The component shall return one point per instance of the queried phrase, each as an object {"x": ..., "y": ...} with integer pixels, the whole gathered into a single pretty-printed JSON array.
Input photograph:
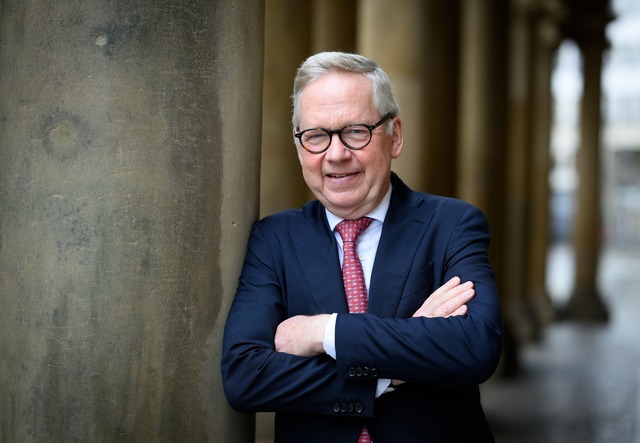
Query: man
[{"x": 404, "y": 362}]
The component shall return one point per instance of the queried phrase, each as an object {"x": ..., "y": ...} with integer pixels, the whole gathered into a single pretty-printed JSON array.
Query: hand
[
  {"x": 301, "y": 335},
  {"x": 448, "y": 300}
]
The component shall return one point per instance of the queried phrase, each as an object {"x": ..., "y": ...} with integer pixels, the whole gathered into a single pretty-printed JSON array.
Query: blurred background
[{"x": 529, "y": 109}]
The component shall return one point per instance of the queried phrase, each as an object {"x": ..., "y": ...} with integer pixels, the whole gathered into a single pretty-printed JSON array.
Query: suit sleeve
[
  {"x": 256, "y": 377},
  {"x": 462, "y": 350}
]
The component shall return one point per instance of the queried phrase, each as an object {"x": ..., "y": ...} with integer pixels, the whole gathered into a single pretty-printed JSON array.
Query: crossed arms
[
  {"x": 303, "y": 335},
  {"x": 273, "y": 358}
]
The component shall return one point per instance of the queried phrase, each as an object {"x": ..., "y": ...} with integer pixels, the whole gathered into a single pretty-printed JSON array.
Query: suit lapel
[
  {"x": 316, "y": 250},
  {"x": 404, "y": 227}
]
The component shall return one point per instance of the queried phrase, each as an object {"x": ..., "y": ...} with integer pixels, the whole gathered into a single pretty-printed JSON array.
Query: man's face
[{"x": 348, "y": 183}]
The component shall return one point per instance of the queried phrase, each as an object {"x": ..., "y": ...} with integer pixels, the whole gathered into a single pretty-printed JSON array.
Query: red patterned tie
[{"x": 353, "y": 275}]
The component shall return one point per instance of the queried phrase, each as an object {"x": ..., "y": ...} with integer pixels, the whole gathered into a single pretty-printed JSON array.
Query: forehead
[{"x": 337, "y": 98}]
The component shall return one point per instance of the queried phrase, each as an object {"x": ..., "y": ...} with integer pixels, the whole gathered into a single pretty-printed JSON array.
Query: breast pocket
[{"x": 419, "y": 286}]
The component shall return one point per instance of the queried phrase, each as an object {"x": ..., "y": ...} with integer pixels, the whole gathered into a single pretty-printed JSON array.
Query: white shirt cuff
[
  {"x": 329, "y": 339},
  {"x": 384, "y": 386}
]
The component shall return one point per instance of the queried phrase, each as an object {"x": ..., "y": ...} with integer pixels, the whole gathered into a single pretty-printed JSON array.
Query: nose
[{"x": 337, "y": 151}]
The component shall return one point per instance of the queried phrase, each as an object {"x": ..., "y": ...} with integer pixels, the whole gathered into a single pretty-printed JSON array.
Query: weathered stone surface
[{"x": 129, "y": 158}]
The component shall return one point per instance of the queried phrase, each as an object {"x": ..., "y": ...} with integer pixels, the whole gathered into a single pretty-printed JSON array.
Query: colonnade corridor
[{"x": 581, "y": 381}]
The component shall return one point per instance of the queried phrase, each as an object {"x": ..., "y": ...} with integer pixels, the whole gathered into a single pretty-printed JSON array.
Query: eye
[
  {"x": 355, "y": 131},
  {"x": 314, "y": 136}
]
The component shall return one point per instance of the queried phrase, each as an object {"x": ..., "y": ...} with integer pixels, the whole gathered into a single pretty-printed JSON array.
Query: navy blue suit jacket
[{"x": 292, "y": 268}]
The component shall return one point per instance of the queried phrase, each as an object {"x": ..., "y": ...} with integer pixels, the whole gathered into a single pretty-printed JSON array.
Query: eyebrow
[{"x": 344, "y": 125}]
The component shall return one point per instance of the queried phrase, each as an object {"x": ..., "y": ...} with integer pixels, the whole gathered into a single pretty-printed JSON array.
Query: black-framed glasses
[{"x": 355, "y": 137}]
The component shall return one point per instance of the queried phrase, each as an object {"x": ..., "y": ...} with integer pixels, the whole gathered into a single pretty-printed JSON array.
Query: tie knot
[{"x": 350, "y": 229}]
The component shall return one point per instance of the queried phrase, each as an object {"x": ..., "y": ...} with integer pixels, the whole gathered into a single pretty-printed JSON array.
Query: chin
[{"x": 342, "y": 203}]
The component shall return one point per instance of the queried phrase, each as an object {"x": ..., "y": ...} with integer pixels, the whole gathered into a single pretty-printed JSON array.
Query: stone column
[
  {"x": 586, "y": 302},
  {"x": 287, "y": 44},
  {"x": 482, "y": 111},
  {"x": 399, "y": 54},
  {"x": 481, "y": 155},
  {"x": 481, "y": 148},
  {"x": 439, "y": 121},
  {"x": 517, "y": 312},
  {"x": 546, "y": 40},
  {"x": 334, "y": 25},
  {"x": 129, "y": 147}
]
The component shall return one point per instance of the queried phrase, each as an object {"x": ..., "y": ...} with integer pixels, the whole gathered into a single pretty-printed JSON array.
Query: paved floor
[{"x": 580, "y": 383}]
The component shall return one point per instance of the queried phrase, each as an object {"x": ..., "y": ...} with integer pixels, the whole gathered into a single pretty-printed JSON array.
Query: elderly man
[{"x": 371, "y": 313}]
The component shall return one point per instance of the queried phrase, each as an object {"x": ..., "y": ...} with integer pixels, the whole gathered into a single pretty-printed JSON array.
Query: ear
[
  {"x": 297, "y": 145},
  {"x": 396, "y": 138}
]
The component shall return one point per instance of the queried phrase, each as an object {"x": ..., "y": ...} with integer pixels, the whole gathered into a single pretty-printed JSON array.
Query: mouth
[{"x": 338, "y": 176}]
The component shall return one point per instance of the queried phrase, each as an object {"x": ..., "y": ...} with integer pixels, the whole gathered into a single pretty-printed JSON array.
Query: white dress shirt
[{"x": 366, "y": 247}]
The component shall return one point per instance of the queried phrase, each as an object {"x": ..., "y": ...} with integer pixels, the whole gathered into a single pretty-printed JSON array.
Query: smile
[{"x": 339, "y": 175}]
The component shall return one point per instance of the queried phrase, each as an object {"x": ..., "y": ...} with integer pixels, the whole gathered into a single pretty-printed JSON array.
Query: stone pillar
[
  {"x": 482, "y": 99},
  {"x": 517, "y": 312},
  {"x": 129, "y": 147},
  {"x": 334, "y": 25},
  {"x": 398, "y": 53},
  {"x": 482, "y": 112},
  {"x": 439, "y": 121},
  {"x": 482, "y": 106},
  {"x": 482, "y": 129},
  {"x": 586, "y": 302},
  {"x": 287, "y": 44},
  {"x": 546, "y": 41}
]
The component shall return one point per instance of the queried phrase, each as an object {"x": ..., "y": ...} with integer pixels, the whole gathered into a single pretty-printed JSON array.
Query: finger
[
  {"x": 451, "y": 293},
  {"x": 452, "y": 283},
  {"x": 455, "y": 302},
  {"x": 442, "y": 301},
  {"x": 462, "y": 310}
]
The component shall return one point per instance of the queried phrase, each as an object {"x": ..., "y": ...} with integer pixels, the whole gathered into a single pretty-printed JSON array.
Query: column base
[
  {"x": 586, "y": 305},
  {"x": 542, "y": 308},
  {"x": 524, "y": 323},
  {"x": 510, "y": 365}
]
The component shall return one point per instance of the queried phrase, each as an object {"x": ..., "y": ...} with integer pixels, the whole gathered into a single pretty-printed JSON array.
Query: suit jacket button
[
  {"x": 365, "y": 371},
  {"x": 350, "y": 407},
  {"x": 359, "y": 371},
  {"x": 374, "y": 372},
  {"x": 358, "y": 408},
  {"x": 343, "y": 407},
  {"x": 336, "y": 407},
  {"x": 352, "y": 371}
]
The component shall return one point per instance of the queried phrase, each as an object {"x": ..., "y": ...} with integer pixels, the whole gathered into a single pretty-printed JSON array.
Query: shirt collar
[{"x": 379, "y": 213}]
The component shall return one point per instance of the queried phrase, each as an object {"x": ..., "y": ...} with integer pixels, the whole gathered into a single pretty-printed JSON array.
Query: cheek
[
  {"x": 378, "y": 167},
  {"x": 311, "y": 167}
]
